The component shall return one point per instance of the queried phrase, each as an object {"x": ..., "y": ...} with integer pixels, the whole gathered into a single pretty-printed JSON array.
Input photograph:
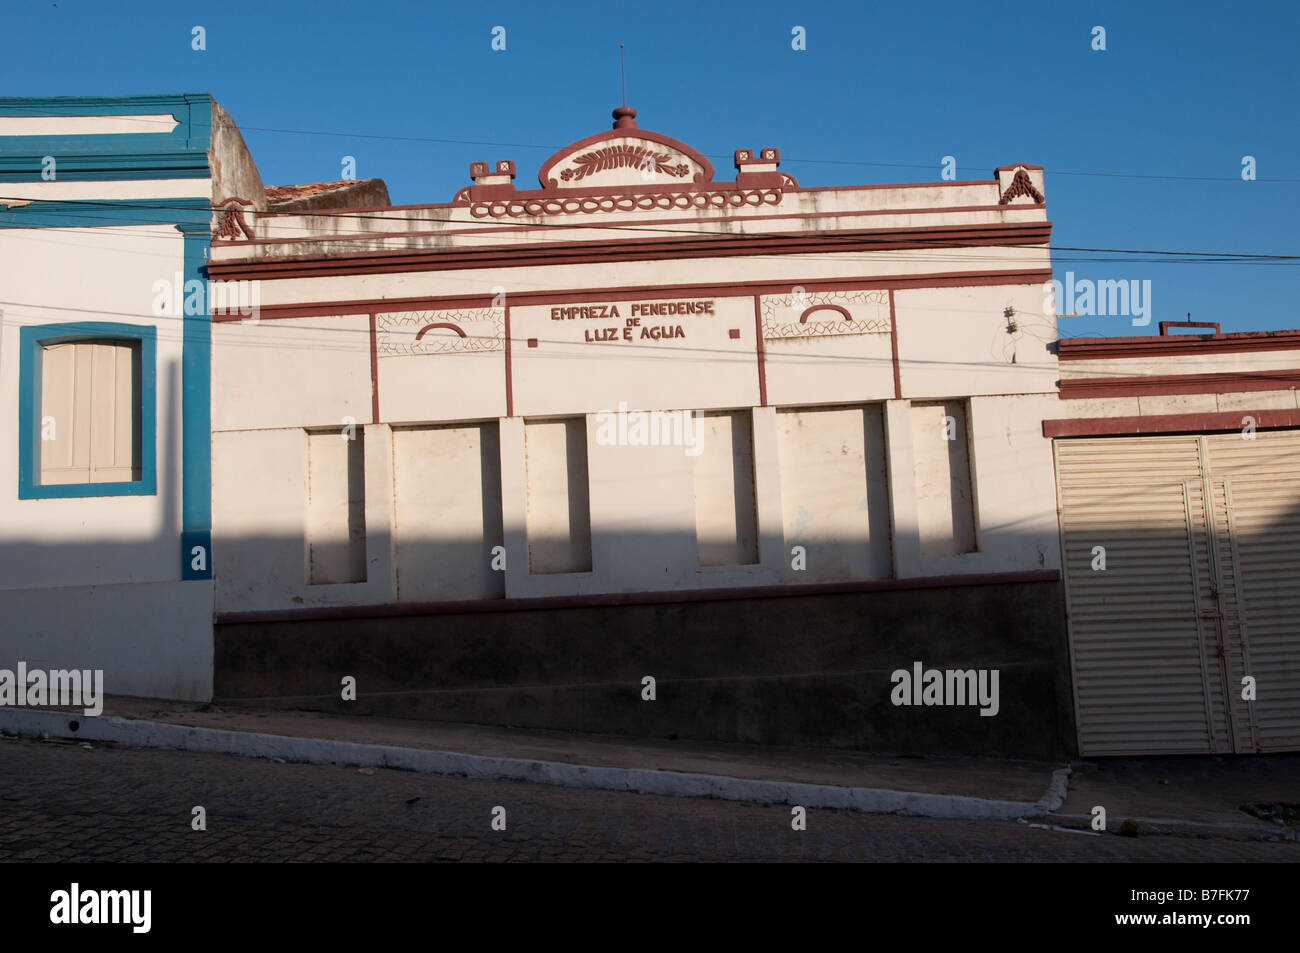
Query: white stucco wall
[
  {"x": 506, "y": 349},
  {"x": 94, "y": 582}
]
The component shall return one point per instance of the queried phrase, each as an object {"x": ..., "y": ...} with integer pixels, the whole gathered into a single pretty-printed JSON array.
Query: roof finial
[{"x": 625, "y": 115}]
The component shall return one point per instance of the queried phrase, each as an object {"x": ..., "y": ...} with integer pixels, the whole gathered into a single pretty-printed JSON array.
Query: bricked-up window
[
  {"x": 945, "y": 514},
  {"x": 559, "y": 508},
  {"x": 447, "y": 512},
  {"x": 90, "y": 412},
  {"x": 835, "y": 492},
  {"x": 336, "y": 506},
  {"x": 726, "y": 525}
]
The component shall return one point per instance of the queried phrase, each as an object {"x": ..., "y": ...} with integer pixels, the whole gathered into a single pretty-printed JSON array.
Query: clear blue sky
[{"x": 881, "y": 94}]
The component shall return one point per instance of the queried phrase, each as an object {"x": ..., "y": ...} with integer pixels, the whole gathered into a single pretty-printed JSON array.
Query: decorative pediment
[{"x": 625, "y": 156}]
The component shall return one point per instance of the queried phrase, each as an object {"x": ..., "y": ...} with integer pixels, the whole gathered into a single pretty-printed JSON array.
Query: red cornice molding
[
  {"x": 644, "y": 249},
  {"x": 1092, "y": 349},
  {"x": 1154, "y": 384},
  {"x": 316, "y": 309},
  {"x": 1168, "y": 423},
  {"x": 388, "y": 610},
  {"x": 499, "y": 228},
  {"x": 535, "y": 193}
]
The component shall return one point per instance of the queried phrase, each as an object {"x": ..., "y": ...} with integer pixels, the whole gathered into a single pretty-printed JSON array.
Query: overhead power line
[
  {"x": 1196, "y": 257},
  {"x": 496, "y": 143}
]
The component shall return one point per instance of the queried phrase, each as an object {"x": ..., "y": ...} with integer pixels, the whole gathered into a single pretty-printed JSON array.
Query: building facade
[
  {"x": 503, "y": 458},
  {"x": 642, "y": 450}
]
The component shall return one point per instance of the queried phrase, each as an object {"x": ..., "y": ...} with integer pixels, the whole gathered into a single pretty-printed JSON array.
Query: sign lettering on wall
[{"x": 637, "y": 321}]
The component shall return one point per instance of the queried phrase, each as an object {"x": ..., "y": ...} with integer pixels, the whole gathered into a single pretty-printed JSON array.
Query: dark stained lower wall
[{"x": 797, "y": 670}]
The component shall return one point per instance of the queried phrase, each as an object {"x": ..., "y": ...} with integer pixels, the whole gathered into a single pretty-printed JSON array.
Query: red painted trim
[
  {"x": 760, "y": 352},
  {"x": 643, "y": 222},
  {"x": 762, "y": 194},
  {"x": 1166, "y": 325},
  {"x": 1232, "y": 382},
  {"x": 1168, "y": 423},
  {"x": 636, "y": 249},
  {"x": 320, "y": 309},
  {"x": 893, "y": 347},
  {"x": 374, "y": 371},
  {"x": 803, "y": 318},
  {"x": 961, "y": 183},
  {"x": 1091, "y": 349},
  {"x": 550, "y": 193},
  {"x": 510, "y": 385},
  {"x": 635, "y": 598},
  {"x": 440, "y": 324}
]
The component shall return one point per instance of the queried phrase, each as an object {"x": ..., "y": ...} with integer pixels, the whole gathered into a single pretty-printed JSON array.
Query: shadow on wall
[
  {"x": 809, "y": 666},
  {"x": 116, "y": 603},
  {"x": 814, "y": 665}
]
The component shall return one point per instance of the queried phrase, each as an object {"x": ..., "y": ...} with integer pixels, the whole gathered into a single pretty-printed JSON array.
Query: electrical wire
[{"x": 713, "y": 155}]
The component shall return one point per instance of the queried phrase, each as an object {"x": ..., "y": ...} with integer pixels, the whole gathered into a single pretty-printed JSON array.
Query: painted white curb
[
  {"x": 148, "y": 734},
  {"x": 1056, "y": 791}
]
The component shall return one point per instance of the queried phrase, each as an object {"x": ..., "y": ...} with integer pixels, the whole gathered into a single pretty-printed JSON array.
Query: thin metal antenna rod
[{"x": 622, "y": 74}]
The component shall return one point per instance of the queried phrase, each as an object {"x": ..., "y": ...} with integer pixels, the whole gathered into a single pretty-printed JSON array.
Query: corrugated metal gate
[{"x": 1200, "y": 537}]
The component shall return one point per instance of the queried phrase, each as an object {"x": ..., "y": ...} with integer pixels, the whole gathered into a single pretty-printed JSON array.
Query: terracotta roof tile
[{"x": 283, "y": 193}]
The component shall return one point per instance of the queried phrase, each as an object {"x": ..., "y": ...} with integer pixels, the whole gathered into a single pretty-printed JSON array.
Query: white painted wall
[
  {"x": 836, "y": 475},
  {"x": 953, "y": 342},
  {"x": 94, "y": 582},
  {"x": 305, "y": 372}
]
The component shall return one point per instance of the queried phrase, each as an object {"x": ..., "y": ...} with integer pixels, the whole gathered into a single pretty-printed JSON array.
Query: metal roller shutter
[
  {"x": 1202, "y": 560},
  {"x": 1140, "y": 673},
  {"x": 1261, "y": 480}
]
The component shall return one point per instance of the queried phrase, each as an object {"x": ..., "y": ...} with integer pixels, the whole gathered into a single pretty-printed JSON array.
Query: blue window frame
[{"x": 32, "y": 342}]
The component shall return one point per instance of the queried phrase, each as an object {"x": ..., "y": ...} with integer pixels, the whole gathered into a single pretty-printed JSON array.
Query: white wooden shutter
[{"x": 90, "y": 413}]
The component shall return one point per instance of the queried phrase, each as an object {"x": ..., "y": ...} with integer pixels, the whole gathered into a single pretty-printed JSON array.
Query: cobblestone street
[{"x": 63, "y": 802}]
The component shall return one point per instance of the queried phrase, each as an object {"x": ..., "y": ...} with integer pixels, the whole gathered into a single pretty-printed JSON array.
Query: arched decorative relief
[
  {"x": 824, "y": 314},
  {"x": 465, "y": 330}
]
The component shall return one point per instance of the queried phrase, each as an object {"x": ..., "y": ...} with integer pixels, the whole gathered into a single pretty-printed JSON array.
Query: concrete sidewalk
[
  {"x": 974, "y": 788},
  {"x": 1198, "y": 796},
  {"x": 1201, "y": 794}
]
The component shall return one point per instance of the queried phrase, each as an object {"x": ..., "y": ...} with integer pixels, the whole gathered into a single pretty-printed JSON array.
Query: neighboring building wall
[
  {"x": 1178, "y": 464},
  {"x": 104, "y": 199}
]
